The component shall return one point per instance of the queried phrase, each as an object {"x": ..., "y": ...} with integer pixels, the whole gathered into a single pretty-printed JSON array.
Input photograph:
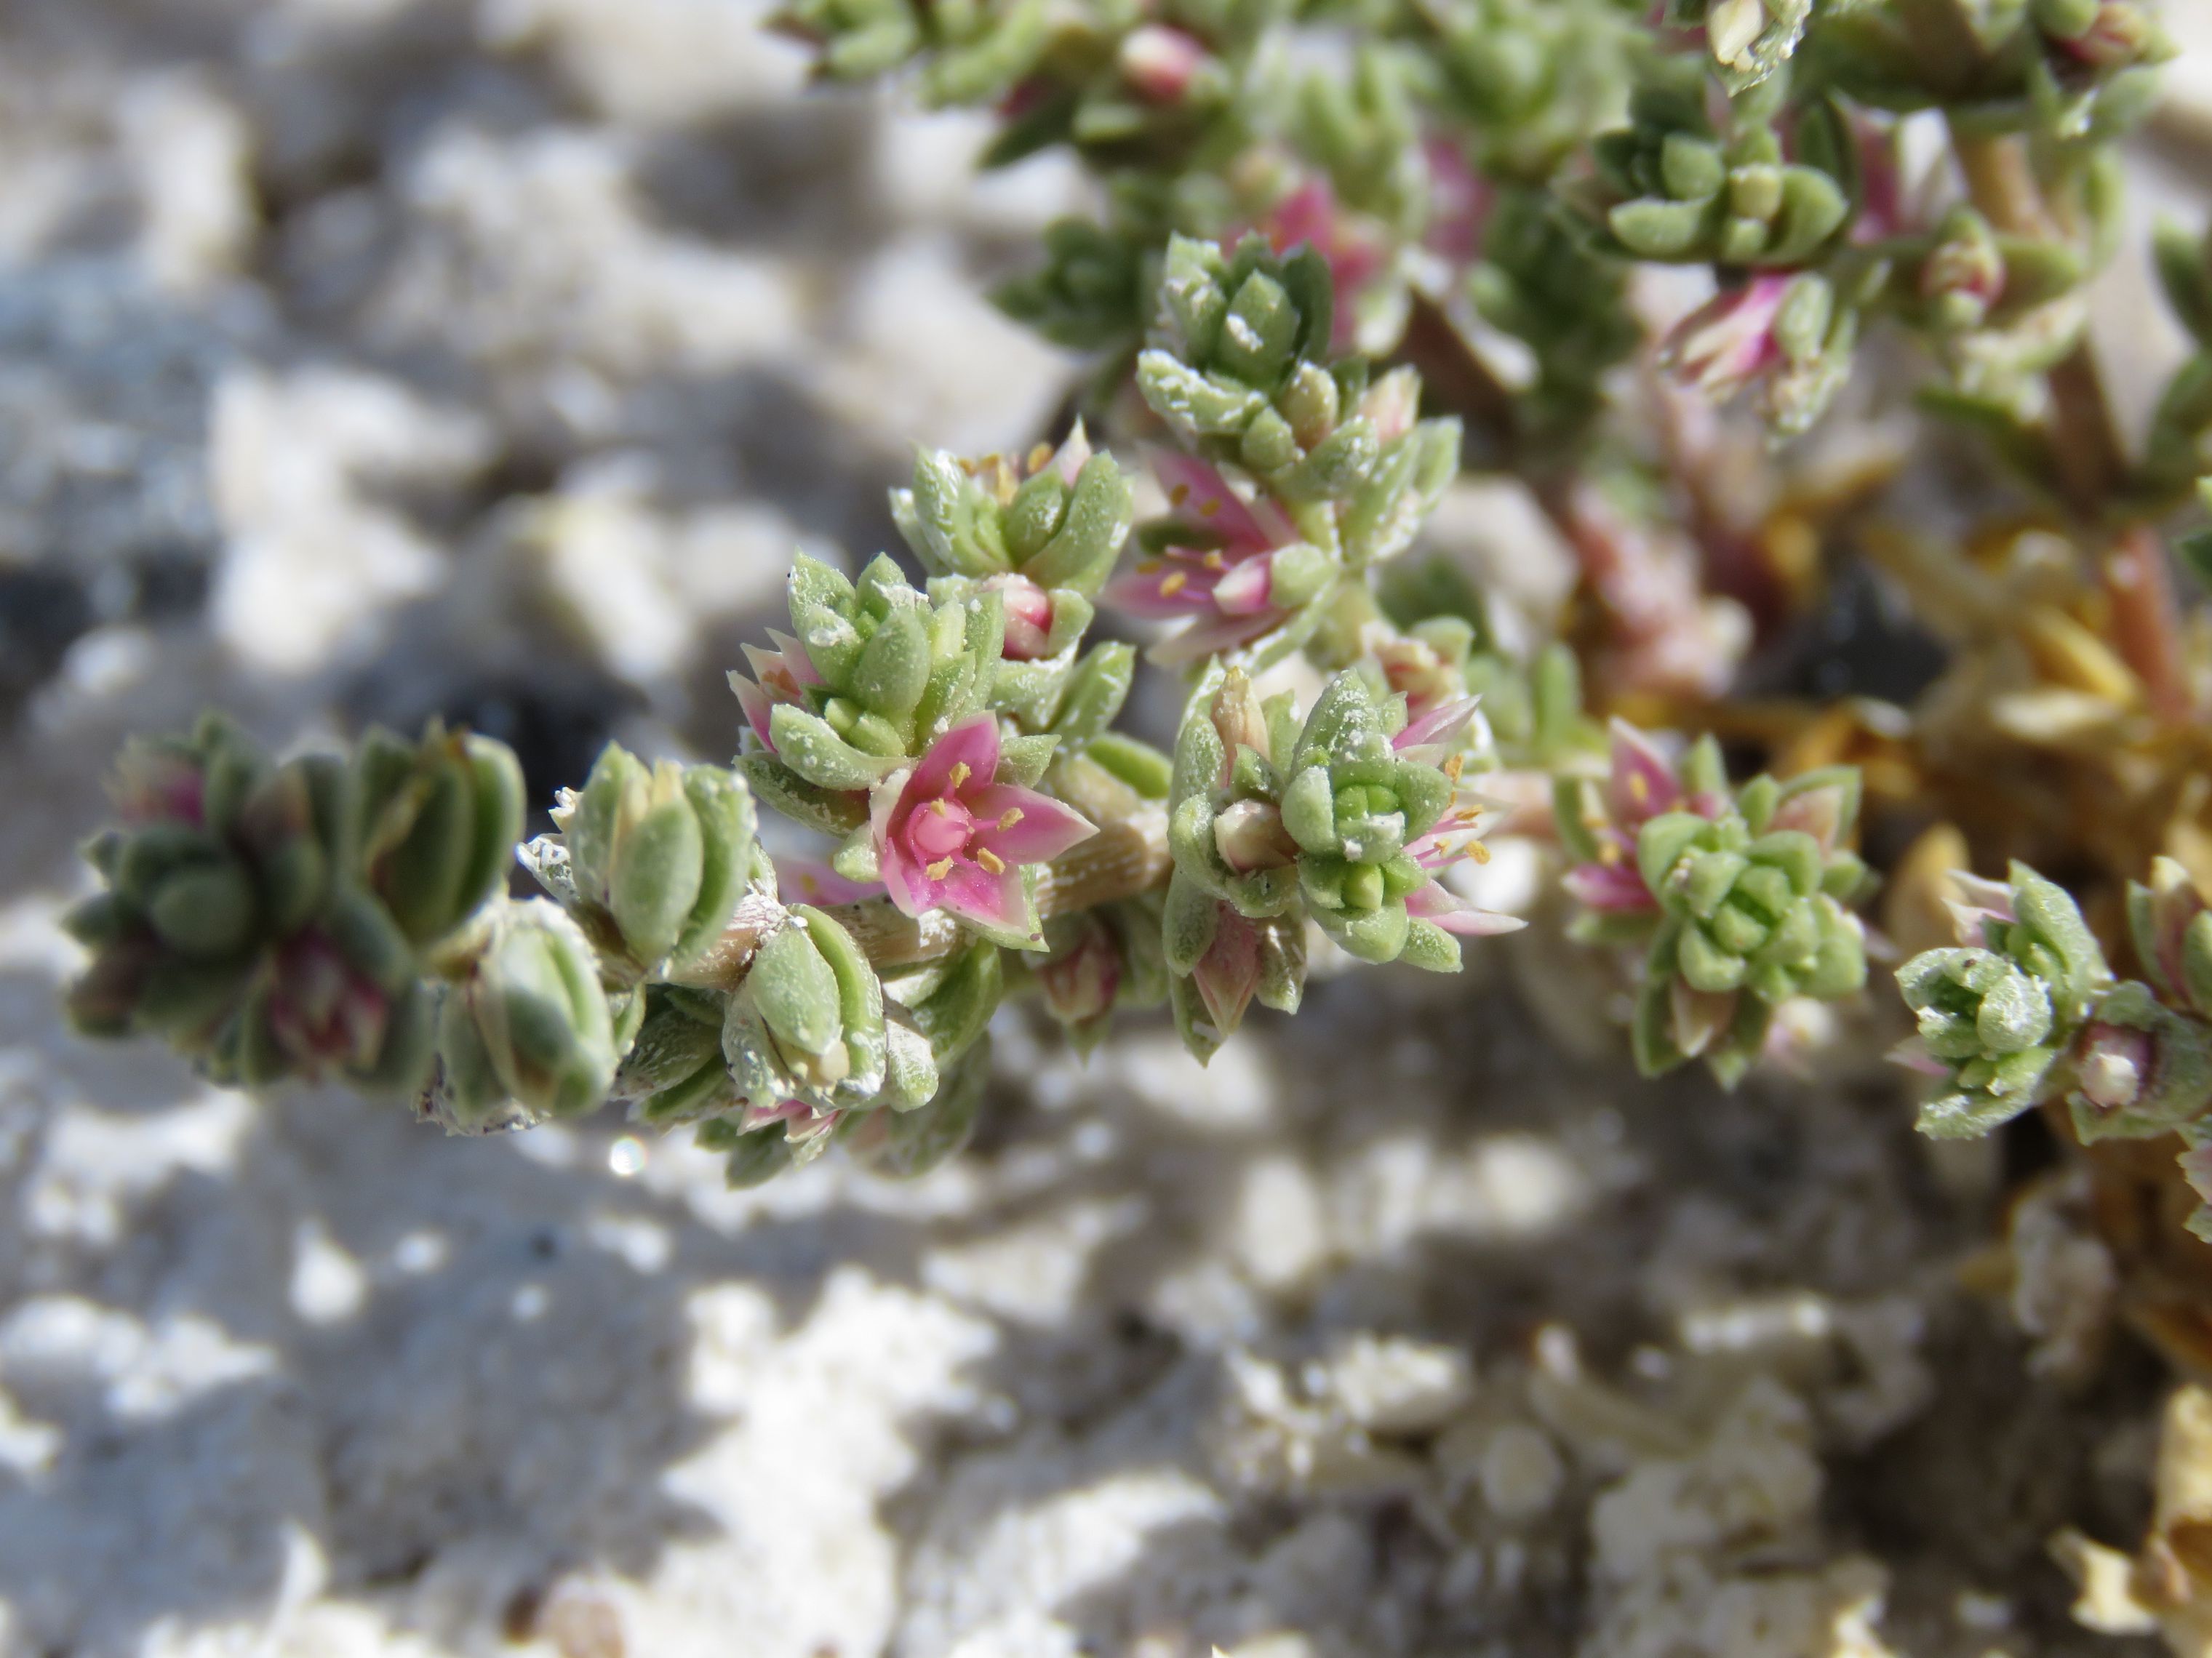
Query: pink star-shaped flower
[{"x": 949, "y": 837}]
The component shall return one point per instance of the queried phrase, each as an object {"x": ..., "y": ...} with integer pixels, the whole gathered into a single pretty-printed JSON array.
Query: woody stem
[{"x": 1125, "y": 859}]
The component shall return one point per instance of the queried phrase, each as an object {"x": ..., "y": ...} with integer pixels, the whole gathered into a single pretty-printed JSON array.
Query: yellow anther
[
  {"x": 990, "y": 861},
  {"x": 1039, "y": 456},
  {"x": 1174, "y": 585},
  {"x": 1477, "y": 851},
  {"x": 1639, "y": 787},
  {"x": 939, "y": 870},
  {"x": 1608, "y": 852},
  {"x": 1179, "y": 495},
  {"x": 961, "y": 774},
  {"x": 1453, "y": 766},
  {"x": 1215, "y": 562},
  {"x": 1008, "y": 818},
  {"x": 1209, "y": 507},
  {"x": 939, "y": 806},
  {"x": 1148, "y": 567}
]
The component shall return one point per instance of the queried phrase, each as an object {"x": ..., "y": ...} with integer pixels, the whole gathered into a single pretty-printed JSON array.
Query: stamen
[
  {"x": 1179, "y": 495},
  {"x": 1039, "y": 456},
  {"x": 1453, "y": 766},
  {"x": 1174, "y": 584},
  {"x": 939, "y": 806},
  {"x": 1215, "y": 562},
  {"x": 1148, "y": 567},
  {"x": 939, "y": 870},
  {"x": 1209, "y": 507},
  {"x": 1008, "y": 818},
  {"x": 1639, "y": 787},
  {"x": 1608, "y": 852},
  {"x": 990, "y": 861},
  {"x": 961, "y": 774},
  {"x": 1477, "y": 851}
]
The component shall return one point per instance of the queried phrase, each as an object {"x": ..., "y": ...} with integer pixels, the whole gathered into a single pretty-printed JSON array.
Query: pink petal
[
  {"x": 1643, "y": 783},
  {"x": 903, "y": 881},
  {"x": 973, "y": 892},
  {"x": 754, "y": 703},
  {"x": 1614, "y": 888},
  {"x": 1819, "y": 812},
  {"x": 805, "y": 881},
  {"x": 1045, "y": 829},
  {"x": 1144, "y": 592},
  {"x": 1244, "y": 590},
  {"x": 1437, "y": 725},
  {"x": 1205, "y": 639},
  {"x": 1917, "y": 1058},
  {"x": 973, "y": 743},
  {"x": 1437, "y": 904},
  {"x": 1198, "y": 495},
  {"x": 795, "y": 658}
]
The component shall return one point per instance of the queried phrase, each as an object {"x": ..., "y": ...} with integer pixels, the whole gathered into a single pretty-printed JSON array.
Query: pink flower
[
  {"x": 1455, "y": 837},
  {"x": 1414, "y": 669},
  {"x": 801, "y": 1121},
  {"x": 1883, "y": 210},
  {"x": 805, "y": 881},
  {"x": 1225, "y": 578},
  {"x": 1160, "y": 61},
  {"x": 1979, "y": 901},
  {"x": 782, "y": 675},
  {"x": 1432, "y": 735},
  {"x": 1028, "y": 617},
  {"x": 322, "y": 1011},
  {"x": 154, "y": 786},
  {"x": 948, "y": 837},
  {"x": 1459, "y": 202},
  {"x": 1641, "y": 784},
  {"x": 1081, "y": 983},
  {"x": 2121, "y": 35},
  {"x": 1310, "y": 214},
  {"x": 1728, "y": 342}
]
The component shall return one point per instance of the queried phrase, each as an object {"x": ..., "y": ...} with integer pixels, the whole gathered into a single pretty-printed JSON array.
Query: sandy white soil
[{"x": 358, "y": 356}]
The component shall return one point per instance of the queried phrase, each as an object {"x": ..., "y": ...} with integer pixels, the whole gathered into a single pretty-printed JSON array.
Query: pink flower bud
[
  {"x": 1160, "y": 61},
  {"x": 1727, "y": 343},
  {"x": 2113, "y": 1065},
  {"x": 1081, "y": 983},
  {"x": 1028, "y": 617}
]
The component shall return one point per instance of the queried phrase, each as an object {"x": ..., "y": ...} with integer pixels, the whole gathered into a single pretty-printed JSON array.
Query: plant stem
[
  {"x": 2084, "y": 440},
  {"x": 1125, "y": 859},
  {"x": 2146, "y": 620}
]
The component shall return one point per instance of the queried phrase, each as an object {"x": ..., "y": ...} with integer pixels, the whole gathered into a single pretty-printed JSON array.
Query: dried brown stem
[{"x": 1125, "y": 859}]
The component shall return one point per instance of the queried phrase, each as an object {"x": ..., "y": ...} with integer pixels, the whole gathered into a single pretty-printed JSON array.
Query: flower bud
[
  {"x": 1082, "y": 978},
  {"x": 2140, "y": 1069},
  {"x": 808, "y": 1022},
  {"x": 1964, "y": 274},
  {"x": 665, "y": 852},
  {"x": 529, "y": 1026},
  {"x": 437, "y": 824},
  {"x": 2173, "y": 935},
  {"x": 1028, "y": 617},
  {"x": 1160, "y": 61}
]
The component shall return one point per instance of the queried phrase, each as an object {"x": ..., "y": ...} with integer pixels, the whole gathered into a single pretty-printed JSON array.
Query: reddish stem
[{"x": 2147, "y": 620}]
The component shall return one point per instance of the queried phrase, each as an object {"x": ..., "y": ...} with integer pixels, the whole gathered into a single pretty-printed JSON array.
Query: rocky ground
[{"x": 361, "y": 358}]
